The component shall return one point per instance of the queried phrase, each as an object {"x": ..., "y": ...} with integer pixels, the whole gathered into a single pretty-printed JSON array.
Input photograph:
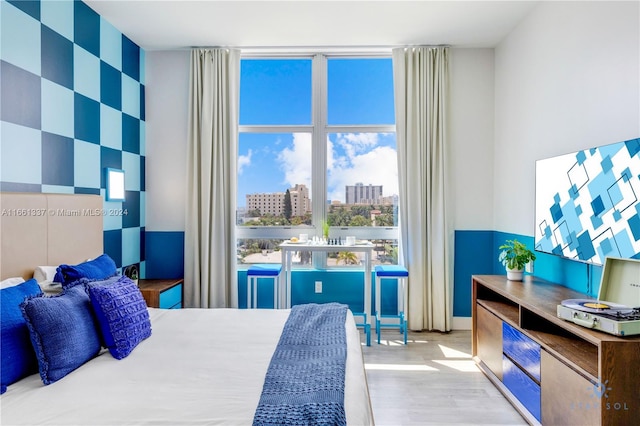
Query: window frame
[{"x": 319, "y": 130}]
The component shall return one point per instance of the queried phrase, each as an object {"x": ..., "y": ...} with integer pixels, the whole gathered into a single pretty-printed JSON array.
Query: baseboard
[
  {"x": 461, "y": 323},
  {"x": 458, "y": 323}
]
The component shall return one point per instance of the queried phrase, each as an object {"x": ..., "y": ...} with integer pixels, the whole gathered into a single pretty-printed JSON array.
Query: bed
[{"x": 198, "y": 366}]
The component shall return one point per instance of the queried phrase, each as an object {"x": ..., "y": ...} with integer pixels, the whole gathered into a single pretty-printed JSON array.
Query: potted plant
[
  {"x": 514, "y": 257},
  {"x": 131, "y": 272},
  {"x": 134, "y": 276},
  {"x": 265, "y": 246},
  {"x": 325, "y": 229}
]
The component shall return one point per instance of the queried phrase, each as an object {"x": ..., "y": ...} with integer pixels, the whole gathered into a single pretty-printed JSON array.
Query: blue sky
[{"x": 279, "y": 92}]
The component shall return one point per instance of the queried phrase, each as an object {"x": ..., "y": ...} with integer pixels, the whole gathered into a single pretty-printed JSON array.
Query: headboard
[{"x": 48, "y": 230}]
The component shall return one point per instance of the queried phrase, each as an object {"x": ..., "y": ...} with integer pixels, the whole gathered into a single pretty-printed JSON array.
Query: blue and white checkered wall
[{"x": 72, "y": 104}]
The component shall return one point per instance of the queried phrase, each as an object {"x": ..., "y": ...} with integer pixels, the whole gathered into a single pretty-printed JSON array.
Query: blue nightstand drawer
[
  {"x": 171, "y": 298},
  {"x": 521, "y": 386},
  {"x": 521, "y": 349}
]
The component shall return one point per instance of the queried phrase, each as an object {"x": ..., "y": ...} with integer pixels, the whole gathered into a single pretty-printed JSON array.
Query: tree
[
  {"x": 348, "y": 257},
  {"x": 296, "y": 221},
  {"x": 268, "y": 220},
  {"x": 359, "y": 221},
  {"x": 392, "y": 252},
  {"x": 287, "y": 205},
  {"x": 339, "y": 216},
  {"x": 359, "y": 210},
  {"x": 384, "y": 219}
]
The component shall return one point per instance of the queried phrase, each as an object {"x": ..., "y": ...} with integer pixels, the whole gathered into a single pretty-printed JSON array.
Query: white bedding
[{"x": 200, "y": 366}]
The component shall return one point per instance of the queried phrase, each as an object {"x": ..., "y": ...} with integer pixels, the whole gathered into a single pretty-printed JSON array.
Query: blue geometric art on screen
[
  {"x": 596, "y": 222},
  {"x": 616, "y": 215},
  {"x": 578, "y": 176},
  {"x": 587, "y": 205},
  {"x": 556, "y": 212},
  {"x": 585, "y": 246},
  {"x": 606, "y": 164},
  {"x": 573, "y": 191},
  {"x": 634, "y": 225},
  {"x": 597, "y": 205},
  {"x": 622, "y": 194},
  {"x": 633, "y": 146}
]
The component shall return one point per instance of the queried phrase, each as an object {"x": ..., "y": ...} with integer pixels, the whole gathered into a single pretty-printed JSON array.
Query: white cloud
[
  {"x": 351, "y": 158},
  {"x": 376, "y": 167},
  {"x": 295, "y": 162},
  {"x": 362, "y": 160},
  {"x": 244, "y": 161},
  {"x": 354, "y": 143}
]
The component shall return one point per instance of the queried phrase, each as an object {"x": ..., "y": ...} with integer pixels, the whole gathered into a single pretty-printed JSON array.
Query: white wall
[
  {"x": 167, "y": 99},
  {"x": 471, "y": 121},
  {"x": 470, "y": 127},
  {"x": 567, "y": 78}
]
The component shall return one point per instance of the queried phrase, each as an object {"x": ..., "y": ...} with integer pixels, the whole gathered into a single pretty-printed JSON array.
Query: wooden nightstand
[{"x": 164, "y": 294}]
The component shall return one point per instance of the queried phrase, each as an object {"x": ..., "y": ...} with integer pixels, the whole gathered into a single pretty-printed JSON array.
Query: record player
[{"x": 617, "y": 309}]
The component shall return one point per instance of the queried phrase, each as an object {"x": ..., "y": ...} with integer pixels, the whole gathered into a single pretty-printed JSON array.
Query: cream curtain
[
  {"x": 421, "y": 91},
  {"x": 210, "y": 246}
]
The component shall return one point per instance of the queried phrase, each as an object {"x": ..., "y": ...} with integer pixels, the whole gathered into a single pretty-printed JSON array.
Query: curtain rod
[{"x": 306, "y": 50}]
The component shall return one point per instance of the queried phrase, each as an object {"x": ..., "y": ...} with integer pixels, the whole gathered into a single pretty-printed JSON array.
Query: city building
[
  {"x": 272, "y": 203},
  {"x": 363, "y": 194}
]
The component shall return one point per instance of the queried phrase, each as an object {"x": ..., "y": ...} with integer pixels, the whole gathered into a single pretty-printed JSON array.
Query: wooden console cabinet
[{"x": 554, "y": 372}]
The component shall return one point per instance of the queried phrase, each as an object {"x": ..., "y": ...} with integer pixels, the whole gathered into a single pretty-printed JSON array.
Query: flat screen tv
[{"x": 587, "y": 203}]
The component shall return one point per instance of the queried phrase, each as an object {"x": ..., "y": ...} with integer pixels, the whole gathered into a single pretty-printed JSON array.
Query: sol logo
[{"x": 600, "y": 389}]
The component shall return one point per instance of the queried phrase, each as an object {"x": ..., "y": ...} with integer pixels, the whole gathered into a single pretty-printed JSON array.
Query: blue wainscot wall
[
  {"x": 476, "y": 253},
  {"x": 344, "y": 286}
]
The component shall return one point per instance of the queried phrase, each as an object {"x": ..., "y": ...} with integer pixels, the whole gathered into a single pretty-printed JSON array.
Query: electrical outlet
[{"x": 318, "y": 286}]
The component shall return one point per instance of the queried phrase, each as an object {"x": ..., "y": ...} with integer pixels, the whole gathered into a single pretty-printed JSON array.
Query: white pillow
[
  {"x": 44, "y": 273},
  {"x": 50, "y": 288},
  {"x": 11, "y": 282}
]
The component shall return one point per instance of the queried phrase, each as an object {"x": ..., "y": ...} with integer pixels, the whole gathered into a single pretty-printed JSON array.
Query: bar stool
[
  {"x": 364, "y": 324},
  {"x": 401, "y": 274},
  {"x": 263, "y": 270}
]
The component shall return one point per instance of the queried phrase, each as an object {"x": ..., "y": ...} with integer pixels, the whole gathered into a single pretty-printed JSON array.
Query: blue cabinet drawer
[
  {"x": 522, "y": 350},
  {"x": 521, "y": 386},
  {"x": 171, "y": 298}
]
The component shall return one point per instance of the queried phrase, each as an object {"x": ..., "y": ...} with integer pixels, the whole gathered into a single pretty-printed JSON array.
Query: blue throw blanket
[{"x": 304, "y": 384}]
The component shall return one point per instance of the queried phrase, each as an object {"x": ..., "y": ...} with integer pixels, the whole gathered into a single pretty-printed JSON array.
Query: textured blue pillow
[
  {"x": 18, "y": 357},
  {"x": 97, "y": 269},
  {"x": 63, "y": 332},
  {"x": 122, "y": 314}
]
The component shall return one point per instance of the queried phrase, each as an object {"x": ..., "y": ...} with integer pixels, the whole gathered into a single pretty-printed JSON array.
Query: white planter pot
[{"x": 514, "y": 274}]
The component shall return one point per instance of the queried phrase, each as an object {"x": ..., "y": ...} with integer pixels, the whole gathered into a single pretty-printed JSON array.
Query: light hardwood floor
[{"x": 431, "y": 381}]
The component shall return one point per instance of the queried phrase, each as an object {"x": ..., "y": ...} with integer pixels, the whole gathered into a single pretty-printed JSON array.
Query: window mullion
[
  {"x": 368, "y": 128},
  {"x": 275, "y": 129},
  {"x": 319, "y": 149}
]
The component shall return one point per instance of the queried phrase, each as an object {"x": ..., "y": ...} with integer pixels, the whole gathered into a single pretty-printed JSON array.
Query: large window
[{"x": 316, "y": 146}]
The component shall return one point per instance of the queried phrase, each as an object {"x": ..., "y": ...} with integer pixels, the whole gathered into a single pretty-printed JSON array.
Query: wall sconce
[{"x": 115, "y": 184}]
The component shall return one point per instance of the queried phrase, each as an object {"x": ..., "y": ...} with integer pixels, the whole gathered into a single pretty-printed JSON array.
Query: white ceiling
[{"x": 172, "y": 24}]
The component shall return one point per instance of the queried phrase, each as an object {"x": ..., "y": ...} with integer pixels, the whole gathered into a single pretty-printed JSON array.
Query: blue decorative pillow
[
  {"x": 63, "y": 332},
  {"x": 97, "y": 269},
  {"x": 18, "y": 357},
  {"x": 122, "y": 314}
]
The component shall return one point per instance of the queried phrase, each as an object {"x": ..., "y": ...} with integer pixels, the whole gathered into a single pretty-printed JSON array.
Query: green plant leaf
[{"x": 515, "y": 255}]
